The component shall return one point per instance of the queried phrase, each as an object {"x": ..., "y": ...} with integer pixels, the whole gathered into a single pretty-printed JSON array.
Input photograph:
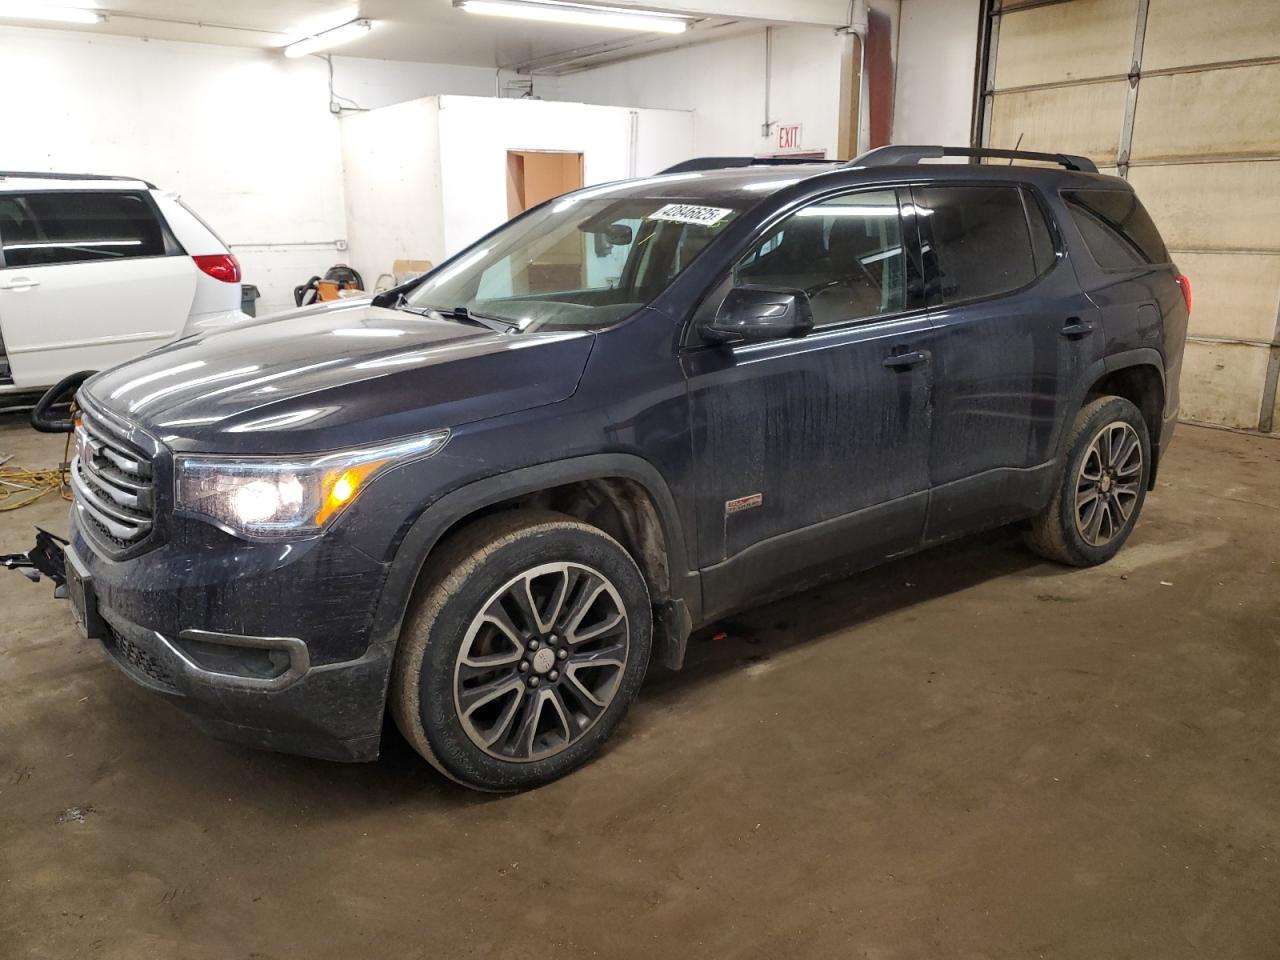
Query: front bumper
[
  {"x": 260, "y": 646},
  {"x": 332, "y": 711}
]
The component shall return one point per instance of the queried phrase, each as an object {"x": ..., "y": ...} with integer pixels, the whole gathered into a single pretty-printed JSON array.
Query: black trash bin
[{"x": 249, "y": 299}]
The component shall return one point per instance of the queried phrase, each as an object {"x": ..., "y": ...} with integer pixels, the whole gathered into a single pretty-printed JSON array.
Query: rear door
[
  {"x": 1014, "y": 334},
  {"x": 811, "y": 453},
  {"x": 88, "y": 279}
]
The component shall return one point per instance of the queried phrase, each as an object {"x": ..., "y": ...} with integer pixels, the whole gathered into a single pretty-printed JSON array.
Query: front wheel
[
  {"x": 528, "y": 642},
  {"x": 1102, "y": 488}
]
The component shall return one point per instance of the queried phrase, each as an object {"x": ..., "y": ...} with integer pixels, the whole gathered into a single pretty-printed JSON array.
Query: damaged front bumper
[
  {"x": 262, "y": 646},
  {"x": 262, "y": 690},
  {"x": 331, "y": 711}
]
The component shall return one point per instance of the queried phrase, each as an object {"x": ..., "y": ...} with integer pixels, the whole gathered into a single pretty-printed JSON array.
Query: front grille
[{"x": 112, "y": 483}]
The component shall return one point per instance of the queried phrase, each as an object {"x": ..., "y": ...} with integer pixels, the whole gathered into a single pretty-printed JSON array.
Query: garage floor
[{"x": 968, "y": 753}]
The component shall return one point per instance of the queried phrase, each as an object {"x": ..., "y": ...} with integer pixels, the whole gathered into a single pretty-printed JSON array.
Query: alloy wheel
[
  {"x": 1108, "y": 483},
  {"x": 541, "y": 662}
]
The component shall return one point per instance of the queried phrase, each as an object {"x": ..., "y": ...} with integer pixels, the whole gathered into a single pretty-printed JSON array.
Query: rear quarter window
[
  {"x": 38, "y": 229},
  {"x": 1116, "y": 228}
]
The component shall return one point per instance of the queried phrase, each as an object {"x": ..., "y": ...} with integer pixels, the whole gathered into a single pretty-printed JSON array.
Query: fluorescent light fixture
[
  {"x": 329, "y": 38},
  {"x": 34, "y": 10},
  {"x": 320, "y": 23},
  {"x": 579, "y": 14}
]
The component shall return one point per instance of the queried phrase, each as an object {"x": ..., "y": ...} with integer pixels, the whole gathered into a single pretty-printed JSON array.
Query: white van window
[{"x": 37, "y": 229}]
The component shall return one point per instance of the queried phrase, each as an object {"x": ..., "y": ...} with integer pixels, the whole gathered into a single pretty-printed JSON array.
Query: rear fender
[{"x": 1140, "y": 357}]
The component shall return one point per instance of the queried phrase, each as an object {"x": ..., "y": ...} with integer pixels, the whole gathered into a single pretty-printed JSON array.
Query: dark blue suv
[{"x": 488, "y": 498}]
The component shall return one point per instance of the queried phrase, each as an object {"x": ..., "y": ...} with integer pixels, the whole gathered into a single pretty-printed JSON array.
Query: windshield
[{"x": 576, "y": 264}]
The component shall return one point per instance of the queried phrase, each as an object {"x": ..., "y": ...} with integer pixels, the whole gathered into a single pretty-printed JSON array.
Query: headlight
[{"x": 273, "y": 499}]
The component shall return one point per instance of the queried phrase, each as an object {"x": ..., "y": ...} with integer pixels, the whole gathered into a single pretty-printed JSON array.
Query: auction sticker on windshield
[{"x": 690, "y": 213}]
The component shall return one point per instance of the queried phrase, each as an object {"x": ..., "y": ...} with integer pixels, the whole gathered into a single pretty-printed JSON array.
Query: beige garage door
[{"x": 1182, "y": 97}]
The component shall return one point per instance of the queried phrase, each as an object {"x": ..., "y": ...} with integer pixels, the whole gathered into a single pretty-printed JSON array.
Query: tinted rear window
[
  {"x": 1116, "y": 227},
  {"x": 47, "y": 228},
  {"x": 983, "y": 247}
]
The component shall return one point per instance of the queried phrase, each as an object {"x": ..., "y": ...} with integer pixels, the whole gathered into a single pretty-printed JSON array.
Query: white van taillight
[
  {"x": 1184, "y": 284},
  {"x": 220, "y": 266}
]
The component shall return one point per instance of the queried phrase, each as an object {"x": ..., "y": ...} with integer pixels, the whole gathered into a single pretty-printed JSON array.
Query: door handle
[
  {"x": 19, "y": 283},
  {"x": 905, "y": 361},
  {"x": 1075, "y": 328}
]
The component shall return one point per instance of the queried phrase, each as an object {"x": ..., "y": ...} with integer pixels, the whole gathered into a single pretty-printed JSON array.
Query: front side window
[
  {"x": 39, "y": 229},
  {"x": 845, "y": 253},
  {"x": 1116, "y": 227},
  {"x": 980, "y": 238},
  {"x": 580, "y": 263}
]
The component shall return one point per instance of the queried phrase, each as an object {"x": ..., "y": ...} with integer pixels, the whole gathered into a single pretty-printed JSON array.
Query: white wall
[
  {"x": 445, "y": 183},
  {"x": 245, "y": 136},
  {"x": 476, "y": 133},
  {"x": 722, "y": 83},
  {"x": 378, "y": 83},
  {"x": 394, "y": 196},
  {"x": 937, "y": 49}
]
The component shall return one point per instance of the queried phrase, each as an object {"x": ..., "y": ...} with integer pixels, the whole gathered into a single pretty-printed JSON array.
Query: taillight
[
  {"x": 1184, "y": 284},
  {"x": 220, "y": 266}
]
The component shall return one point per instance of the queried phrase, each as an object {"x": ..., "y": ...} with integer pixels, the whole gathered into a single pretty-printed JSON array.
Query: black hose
[{"x": 64, "y": 390}]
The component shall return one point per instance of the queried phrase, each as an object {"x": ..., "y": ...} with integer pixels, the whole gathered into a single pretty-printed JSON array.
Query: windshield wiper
[{"x": 497, "y": 324}]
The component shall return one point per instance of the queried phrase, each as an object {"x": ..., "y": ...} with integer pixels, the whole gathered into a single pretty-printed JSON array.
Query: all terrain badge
[{"x": 743, "y": 503}]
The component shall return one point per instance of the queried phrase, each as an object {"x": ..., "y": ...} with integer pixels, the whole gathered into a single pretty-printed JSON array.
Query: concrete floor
[{"x": 966, "y": 754}]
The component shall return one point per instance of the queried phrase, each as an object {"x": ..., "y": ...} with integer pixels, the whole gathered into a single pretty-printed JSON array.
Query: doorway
[
  {"x": 532, "y": 177},
  {"x": 537, "y": 175}
]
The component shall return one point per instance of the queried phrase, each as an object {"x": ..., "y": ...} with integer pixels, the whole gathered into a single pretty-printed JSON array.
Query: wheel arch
[
  {"x": 1137, "y": 376},
  {"x": 622, "y": 494}
]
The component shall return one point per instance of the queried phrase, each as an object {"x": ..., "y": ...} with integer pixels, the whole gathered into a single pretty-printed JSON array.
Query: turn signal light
[{"x": 220, "y": 266}]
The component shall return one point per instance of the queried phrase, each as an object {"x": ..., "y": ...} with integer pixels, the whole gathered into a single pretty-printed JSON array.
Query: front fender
[{"x": 465, "y": 501}]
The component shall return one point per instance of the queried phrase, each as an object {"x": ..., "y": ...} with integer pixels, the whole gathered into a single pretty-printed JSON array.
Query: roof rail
[
  {"x": 903, "y": 155},
  {"x": 46, "y": 175},
  {"x": 724, "y": 163}
]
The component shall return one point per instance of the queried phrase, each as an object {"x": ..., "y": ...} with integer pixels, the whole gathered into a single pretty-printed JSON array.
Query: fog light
[{"x": 264, "y": 662}]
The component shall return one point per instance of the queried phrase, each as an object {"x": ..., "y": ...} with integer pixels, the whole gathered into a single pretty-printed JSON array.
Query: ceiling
[{"x": 430, "y": 31}]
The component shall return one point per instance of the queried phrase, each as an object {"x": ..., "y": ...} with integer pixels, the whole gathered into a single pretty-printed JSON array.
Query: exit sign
[{"x": 788, "y": 136}]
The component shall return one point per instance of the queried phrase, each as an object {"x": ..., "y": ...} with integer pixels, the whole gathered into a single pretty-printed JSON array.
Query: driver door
[{"x": 811, "y": 454}]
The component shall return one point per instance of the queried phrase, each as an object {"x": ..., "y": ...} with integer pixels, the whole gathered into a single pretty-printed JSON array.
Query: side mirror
[{"x": 760, "y": 313}]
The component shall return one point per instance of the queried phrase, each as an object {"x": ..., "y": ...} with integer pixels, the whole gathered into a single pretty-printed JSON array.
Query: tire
[
  {"x": 474, "y": 650},
  {"x": 1070, "y": 530}
]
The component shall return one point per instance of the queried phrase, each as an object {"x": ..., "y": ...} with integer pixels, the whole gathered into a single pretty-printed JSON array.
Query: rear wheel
[
  {"x": 1102, "y": 489},
  {"x": 527, "y": 643}
]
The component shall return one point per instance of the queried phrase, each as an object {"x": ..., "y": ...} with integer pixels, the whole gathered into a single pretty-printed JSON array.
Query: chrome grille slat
[
  {"x": 135, "y": 467},
  {"x": 127, "y": 493},
  {"x": 105, "y": 445},
  {"x": 112, "y": 486},
  {"x": 119, "y": 535},
  {"x": 102, "y": 508}
]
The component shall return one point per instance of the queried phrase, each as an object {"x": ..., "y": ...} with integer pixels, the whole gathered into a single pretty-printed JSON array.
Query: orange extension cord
[{"x": 20, "y": 488}]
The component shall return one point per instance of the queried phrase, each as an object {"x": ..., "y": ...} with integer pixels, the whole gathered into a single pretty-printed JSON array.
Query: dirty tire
[
  {"x": 458, "y": 584},
  {"x": 1054, "y": 533}
]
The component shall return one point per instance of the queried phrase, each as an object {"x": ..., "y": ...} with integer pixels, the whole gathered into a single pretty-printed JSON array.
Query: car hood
[{"x": 336, "y": 375}]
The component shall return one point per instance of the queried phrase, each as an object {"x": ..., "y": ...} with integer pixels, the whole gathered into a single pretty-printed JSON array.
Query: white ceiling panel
[{"x": 430, "y": 31}]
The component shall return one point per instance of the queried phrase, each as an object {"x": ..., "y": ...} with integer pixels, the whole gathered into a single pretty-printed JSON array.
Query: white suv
[{"x": 98, "y": 270}]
